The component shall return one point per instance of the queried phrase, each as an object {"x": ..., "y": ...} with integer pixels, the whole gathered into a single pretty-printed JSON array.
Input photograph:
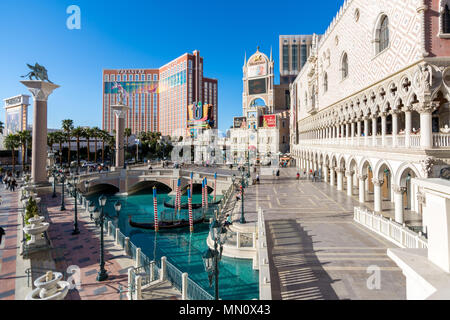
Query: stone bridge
[{"x": 131, "y": 181}]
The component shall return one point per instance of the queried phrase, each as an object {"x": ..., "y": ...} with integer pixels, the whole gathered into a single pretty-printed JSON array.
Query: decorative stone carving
[
  {"x": 427, "y": 166},
  {"x": 362, "y": 177},
  {"x": 349, "y": 173},
  {"x": 377, "y": 182},
  {"x": 421, "y": 198},
  {"x": 398, "y": 189}
]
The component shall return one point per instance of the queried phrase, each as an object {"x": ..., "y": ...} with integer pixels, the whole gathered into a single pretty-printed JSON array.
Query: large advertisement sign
[
  {"x": 240, "y": 122},
  {"x": 257, "y": 86},
  {"x": 268, "y": 121},
  {"x": 200, "y": 117},
  {"x": 133, "y": 87},
  {"x": 257, "y": 71},
  {"x": 13, "y": 120}
]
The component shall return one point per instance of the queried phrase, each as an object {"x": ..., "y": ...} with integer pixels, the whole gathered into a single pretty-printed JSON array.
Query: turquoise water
[{"x": 237, "y": 279}]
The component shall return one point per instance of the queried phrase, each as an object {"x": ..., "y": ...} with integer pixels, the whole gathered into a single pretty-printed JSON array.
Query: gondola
[
  {"x": 162, "y": 224},
  {"x": 194, "y": 205}
]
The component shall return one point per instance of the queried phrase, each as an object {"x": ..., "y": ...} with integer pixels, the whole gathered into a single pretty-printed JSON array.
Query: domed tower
[{"x": 258, "y": 77}]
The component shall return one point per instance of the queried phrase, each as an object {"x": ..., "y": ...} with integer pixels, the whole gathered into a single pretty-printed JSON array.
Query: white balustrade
[{"x": 441, "y": 140}]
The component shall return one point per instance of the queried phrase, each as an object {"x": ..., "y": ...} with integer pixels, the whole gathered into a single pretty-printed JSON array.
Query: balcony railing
[{"x": 440, "y": 140}]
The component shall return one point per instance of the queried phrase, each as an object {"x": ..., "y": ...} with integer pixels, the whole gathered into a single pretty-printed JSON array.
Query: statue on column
[{"x": 37, "y": 72}]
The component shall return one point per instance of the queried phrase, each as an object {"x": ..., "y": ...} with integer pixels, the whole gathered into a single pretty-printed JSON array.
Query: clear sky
[{"x": 143, "y": 34}]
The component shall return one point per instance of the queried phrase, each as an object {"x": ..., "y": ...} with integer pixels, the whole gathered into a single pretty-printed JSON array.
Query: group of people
[
  {"x": 314, "y": 175},
  {"x": 9, "y": 181}
]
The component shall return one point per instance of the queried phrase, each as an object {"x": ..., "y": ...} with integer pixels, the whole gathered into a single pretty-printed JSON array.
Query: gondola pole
[
  {"x": 155, "y": 209},
  {"x": 215, "y": 185},
  {"x": 191, "y": 220},
  {"x": 192, "y": 181},
  {"x": 178, "y": 198},
  {"x": 206, "y": 193},
  {"x": 203, "y": 197}
]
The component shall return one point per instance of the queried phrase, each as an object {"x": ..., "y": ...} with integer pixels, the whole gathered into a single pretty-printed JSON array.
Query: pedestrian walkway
[
  {"x": 316, "y": 250},
  {"x": 8, "y": 248}
]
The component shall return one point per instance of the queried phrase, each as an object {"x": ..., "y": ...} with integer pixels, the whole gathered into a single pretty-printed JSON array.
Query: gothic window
[
  {"x": 384, "y": 33},
  {"x": 325, "y": 82},
  {"x": 344, "y": 66},
  {"x": 446, "y": 20}
]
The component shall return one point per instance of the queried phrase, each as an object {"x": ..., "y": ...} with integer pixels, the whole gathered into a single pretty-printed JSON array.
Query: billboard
[
  {"x": 13, "y": 120},
  {"x": 240, "y": 122},
  {"x": 132, "y": 87},
  {"x": 200, "y": 116},
  {"x": 268, "y": 121},
  {"x": 257, "y": 71},
  {"x": 257, "y": 86}
]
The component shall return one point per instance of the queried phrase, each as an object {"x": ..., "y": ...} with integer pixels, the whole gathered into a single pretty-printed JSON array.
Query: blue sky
[{"x": 143, "y": 34}]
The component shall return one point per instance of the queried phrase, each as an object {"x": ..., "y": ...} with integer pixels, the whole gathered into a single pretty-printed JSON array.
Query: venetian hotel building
[{"x": 158, "y": 98}]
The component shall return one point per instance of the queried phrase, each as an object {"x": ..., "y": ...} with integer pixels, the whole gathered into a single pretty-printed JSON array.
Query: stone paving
[
  {"x": 316, "y": 251},
  {"x": 8, "y": 247}
]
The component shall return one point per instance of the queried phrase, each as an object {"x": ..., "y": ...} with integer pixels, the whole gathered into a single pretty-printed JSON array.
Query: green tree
[
  {"x": 127, "y": 133},
  {"x": 67, "y": 126},
  {"x": 12, "y": 143},
  {"x": 87, "y": 134},
  {"x": 24, "y": 139},
  {"x": 77, "y": 133},
  {"x": 96, "y": 134},
  {"x": 60, "y": 138}
]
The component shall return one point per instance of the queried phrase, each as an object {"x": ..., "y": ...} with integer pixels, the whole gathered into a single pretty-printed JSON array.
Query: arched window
[
  {"x": 446, "y": 20},
  {"x": 325, "y": 82},
  {"x": 344, "y": 66},
  {"x": 384, "y": 34}
]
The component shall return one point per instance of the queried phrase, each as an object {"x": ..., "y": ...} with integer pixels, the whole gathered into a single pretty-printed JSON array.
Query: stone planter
[
  {"x": 35, "y": 230},
  {"x": 49, "y": 287}
]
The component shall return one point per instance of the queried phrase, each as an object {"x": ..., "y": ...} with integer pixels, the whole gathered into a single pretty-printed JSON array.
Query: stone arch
[
  {"x": 378, "y": 173},
  {"x": 405, "y": 167},
  {"x": 352, "y": 164},
  {"x": 377, "y": 35},
  {"x": 102, "y": 188},
  {"x": 363, "y": 166},
  {"x": 147, "y": 186},
  {"x": 257, "y": 98}
]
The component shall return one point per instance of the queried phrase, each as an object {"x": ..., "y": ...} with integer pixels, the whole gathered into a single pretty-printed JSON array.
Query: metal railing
[
  {"x": 391, "y": 230},
  {"x": 174, "y": 276},
  {"x": 195, "y": 292}
]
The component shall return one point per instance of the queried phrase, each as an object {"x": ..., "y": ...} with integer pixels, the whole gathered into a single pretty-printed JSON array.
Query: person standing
[{"x": 2, "y": 233}]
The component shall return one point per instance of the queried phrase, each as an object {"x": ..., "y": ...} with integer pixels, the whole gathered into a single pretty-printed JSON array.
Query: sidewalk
[{"x": 8, "y": 248}]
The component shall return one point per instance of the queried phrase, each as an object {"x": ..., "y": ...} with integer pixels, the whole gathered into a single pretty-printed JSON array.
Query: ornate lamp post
[
  {"x": 54, "y": 174},
  {"x": 74, "y": 191},
  {"x": 99, "y": 216},
  {"x": 242, "y": 199},
  {"x": 62, "y": 177},
  {"x": 211, "y": 258},
  {"x": 118, "y": 207}
]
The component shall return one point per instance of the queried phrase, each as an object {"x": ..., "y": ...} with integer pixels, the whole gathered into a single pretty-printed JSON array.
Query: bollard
[
  {"x": 130, "y": 270},
  {"x": 184, "y": 286},
  {"x": 109, "y": 228},
  {"x": 138, "y": 258},
  {"x": 138, "y": 288},
  {"x": 117, "y": 236},
  {"x": 152, "y": 264},
  {"x": 126, "y": 244},
  {"x": 163, "y": 270}
]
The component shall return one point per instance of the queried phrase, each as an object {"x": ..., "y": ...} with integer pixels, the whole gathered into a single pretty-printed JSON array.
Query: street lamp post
[
  {"x": 54, "y": 172},
  {"x": 242, "y": 221},
  {"x": 99, "y": 216},
  {"x": 73, "y": 187},
  {"x": 63, "y": 180},
  {"x": 211, "y": 258}
]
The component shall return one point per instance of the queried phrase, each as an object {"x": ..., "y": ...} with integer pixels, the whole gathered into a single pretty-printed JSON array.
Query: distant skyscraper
[
  {"x": 159, "y": 98},
  {"x": 294, "y": 52}
]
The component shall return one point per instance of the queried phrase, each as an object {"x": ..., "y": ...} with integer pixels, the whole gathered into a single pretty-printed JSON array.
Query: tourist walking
[
  {"x": 298, "y": 176},
  {"x": 257, "y": 178}
]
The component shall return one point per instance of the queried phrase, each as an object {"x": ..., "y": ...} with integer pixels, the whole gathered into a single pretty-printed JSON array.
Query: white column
[
  {"x": 325, "y": 173},
  {"x": 340, "y": 178},
  {"x": 349, "y": 175},
  {"x": 377, "y": 194},
  {"x": 366, "y": 131},
  {"x": 383, "y": 129},
  {"x": 408, "y": 122},
  {"x": 352, "y": 132},
  {"x": 358, "y": 131},
  {"x": 332, "y": 182},
  {"x": 426, "y": 131},
  {"x": 398, "y": 200},
  {"x": 347, "y": 131},
  {"x": 394, "y": 128},
  {"x": 184, "y": 286},
  {"x": 362, "y": 189},
  {"x": 374, "y": 131}
]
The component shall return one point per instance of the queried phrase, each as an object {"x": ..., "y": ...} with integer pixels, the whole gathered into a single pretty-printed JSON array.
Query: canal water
[{"x": 237, "y": 279}]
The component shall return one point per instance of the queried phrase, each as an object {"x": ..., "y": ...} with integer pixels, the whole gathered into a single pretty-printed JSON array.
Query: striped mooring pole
[
  {"x": 191, "y": 220},
  {"x": 178, "y": 200},
  {"x": 206, "y": 193},
  {"x": 155, "y": 209},
  {"x": 215, "y": 184}
]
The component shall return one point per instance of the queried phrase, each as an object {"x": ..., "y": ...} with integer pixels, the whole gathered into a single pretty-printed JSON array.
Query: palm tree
[
  {"x": 12, "y": 143},
  {"x": 77, "y": 133},
  {"x": 96, "y": 134},
  {"x": 67, "y": 126},
  {"x": 104, "y": 136},
  {"x": 127, "y": 133},
  {"x": 87, "y": 134},
  {"x": 24, "y": 139},
  {"x": 60, "y": 138},
  {"x": 51, "y": 139}
]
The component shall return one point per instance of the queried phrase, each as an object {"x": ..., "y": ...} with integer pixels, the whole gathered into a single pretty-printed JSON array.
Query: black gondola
[
  {"x": 194, "y": 205},
  {"x": 163, "y": 224}
]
